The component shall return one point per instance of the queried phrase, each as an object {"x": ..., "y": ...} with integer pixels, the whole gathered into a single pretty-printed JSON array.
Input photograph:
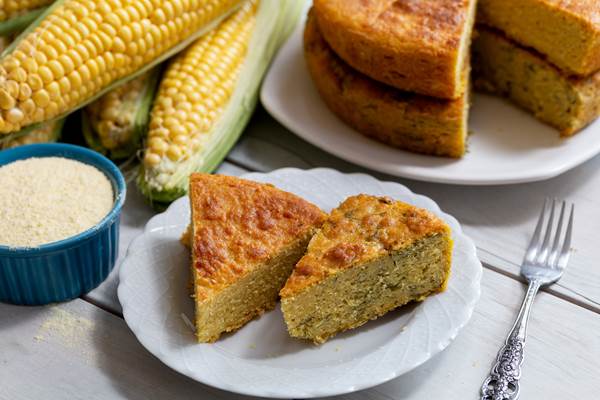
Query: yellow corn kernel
[
  {"x": 196, "y": 88},
  {"x": 157, "y": 145},
  {"x": 14, "y": 115},
  {"x": 92, "y": 44},
  {"x": 151, "y": 159},
  {"x": 174, "y": 152},
  {"x": 6, "y": 101}
]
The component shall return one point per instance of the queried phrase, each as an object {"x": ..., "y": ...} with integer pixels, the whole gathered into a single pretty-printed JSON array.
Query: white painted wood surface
[{"x": 78, "y": 351}]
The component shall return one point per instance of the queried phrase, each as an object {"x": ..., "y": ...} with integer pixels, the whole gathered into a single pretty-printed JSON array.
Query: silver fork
[{"x": 544, "y": 263}]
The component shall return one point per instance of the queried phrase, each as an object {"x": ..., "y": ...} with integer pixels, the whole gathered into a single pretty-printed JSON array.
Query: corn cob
[
  {"x": 15, "y": 15},
  {"x": 116, "y": 123},
  {"x": 80, "y": 49},
  {"x": 191, "y": 99},
  {"x": 207, "y": 95},
  {"x": 45, "y": 133}
]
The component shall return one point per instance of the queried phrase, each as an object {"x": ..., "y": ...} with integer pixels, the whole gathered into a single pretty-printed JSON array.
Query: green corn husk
[
  {"x": 230, "y": 6},
  {"x": 126, "y": 134},
  {"x": 275, "y": 19},
  {"x": 19, "y": 22}
]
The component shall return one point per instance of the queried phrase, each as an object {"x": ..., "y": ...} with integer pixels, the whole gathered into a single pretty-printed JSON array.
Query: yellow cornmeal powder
[{"x": 47, "y": 199}]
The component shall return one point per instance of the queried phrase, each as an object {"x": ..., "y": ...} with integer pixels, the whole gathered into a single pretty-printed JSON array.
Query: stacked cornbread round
[
  {"x": 398, "y": 73},
  {"x": 542, "y": 55}
]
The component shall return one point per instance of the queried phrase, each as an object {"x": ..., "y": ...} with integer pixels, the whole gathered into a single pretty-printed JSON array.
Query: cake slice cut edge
[
  {"x": 566, "y": 32},
  {"x": 524, "y": 76},
  {"x": 245, "y": 240},
  {"x": 371, "y": 256}
]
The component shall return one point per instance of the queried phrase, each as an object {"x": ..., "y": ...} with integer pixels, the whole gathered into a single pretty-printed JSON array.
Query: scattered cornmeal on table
[{"x": 50, "y": 199}]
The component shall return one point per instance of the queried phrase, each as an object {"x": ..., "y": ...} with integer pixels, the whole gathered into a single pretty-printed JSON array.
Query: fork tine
[
  {"x": 535, "y": 239},
  {"x": 545, "y": 249},
  {"x": 566, "y": 248},
  {"x": 555, "y": 246}
]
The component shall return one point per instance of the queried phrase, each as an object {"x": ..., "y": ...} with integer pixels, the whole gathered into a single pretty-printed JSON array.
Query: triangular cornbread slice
[
  {"x": 372, "y": 255},
  {"x": 245, "y": 238},
  {"x": 419, "y": 46}
]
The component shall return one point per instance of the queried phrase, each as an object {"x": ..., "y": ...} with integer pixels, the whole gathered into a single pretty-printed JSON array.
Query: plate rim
[
  {"x": 271, "y": 104},
  {"x": 215, "y": 383}
]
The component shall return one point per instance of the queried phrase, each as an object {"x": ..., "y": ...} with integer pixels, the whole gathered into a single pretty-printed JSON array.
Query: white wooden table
[{"x": 83, "y": 349}]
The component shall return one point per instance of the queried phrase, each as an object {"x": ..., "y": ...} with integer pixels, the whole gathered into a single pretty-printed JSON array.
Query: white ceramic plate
[
  {"x": 506, "y": 146},
  {"x": 261, "y": 359}
]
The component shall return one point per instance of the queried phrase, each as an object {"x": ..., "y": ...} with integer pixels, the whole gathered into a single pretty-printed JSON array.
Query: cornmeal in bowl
[
  {"x": 245, "y": 239},
  {"x": 372, "y": 255},
  {"x": 48, "y": 199}
]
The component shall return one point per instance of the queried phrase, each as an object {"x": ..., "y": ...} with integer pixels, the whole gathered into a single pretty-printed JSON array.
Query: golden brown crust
[
  {"x": 401, "y": 119},
  {"x": 239, "y": 224},
  {"x": 362, "y": 228},
  {"x": 413, "y": 45},
  {"x": 567, "y": 32}
]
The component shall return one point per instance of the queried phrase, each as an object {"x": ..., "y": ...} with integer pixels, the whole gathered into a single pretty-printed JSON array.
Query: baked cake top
[
  {"x": 419, "y": 46},
  {"x": 360, "y": 229},
  {"x": 402, "y": 24},
  {"x": 238, "y": 224},
  {"x": 588, "y": 10}
]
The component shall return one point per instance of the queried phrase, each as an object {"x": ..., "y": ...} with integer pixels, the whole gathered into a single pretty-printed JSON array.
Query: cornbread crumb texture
[
  {"x": 413, "y": 45},
  {"x": 238, "y": 224},
  {"x": 49, "y": 199},
  {"x": 525, "y": 77},
  {"x": 250, "y": 296},
  {"x": 567, "y": 32},
  {"x": 367, "y": 291},
  {"x": 401, "y": 119},
  {"x": 361, "y": 229}
]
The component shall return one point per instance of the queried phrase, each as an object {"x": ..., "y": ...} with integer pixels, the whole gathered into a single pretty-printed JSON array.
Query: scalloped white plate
[
  {"x": 261, "y": 359},
  {"x": 507, "y": 145}
]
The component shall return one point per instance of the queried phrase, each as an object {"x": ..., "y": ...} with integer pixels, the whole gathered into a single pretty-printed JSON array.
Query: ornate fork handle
[{"x": 503, "y": 381}]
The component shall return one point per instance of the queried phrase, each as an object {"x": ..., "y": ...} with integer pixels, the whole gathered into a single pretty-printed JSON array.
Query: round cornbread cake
[
  {"x": 419, "y": 46},
  {"x": 408, "y": 121}
]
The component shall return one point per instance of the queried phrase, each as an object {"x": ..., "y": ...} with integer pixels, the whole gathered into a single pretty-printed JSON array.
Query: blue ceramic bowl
[{"x": 68, "y": 268}]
